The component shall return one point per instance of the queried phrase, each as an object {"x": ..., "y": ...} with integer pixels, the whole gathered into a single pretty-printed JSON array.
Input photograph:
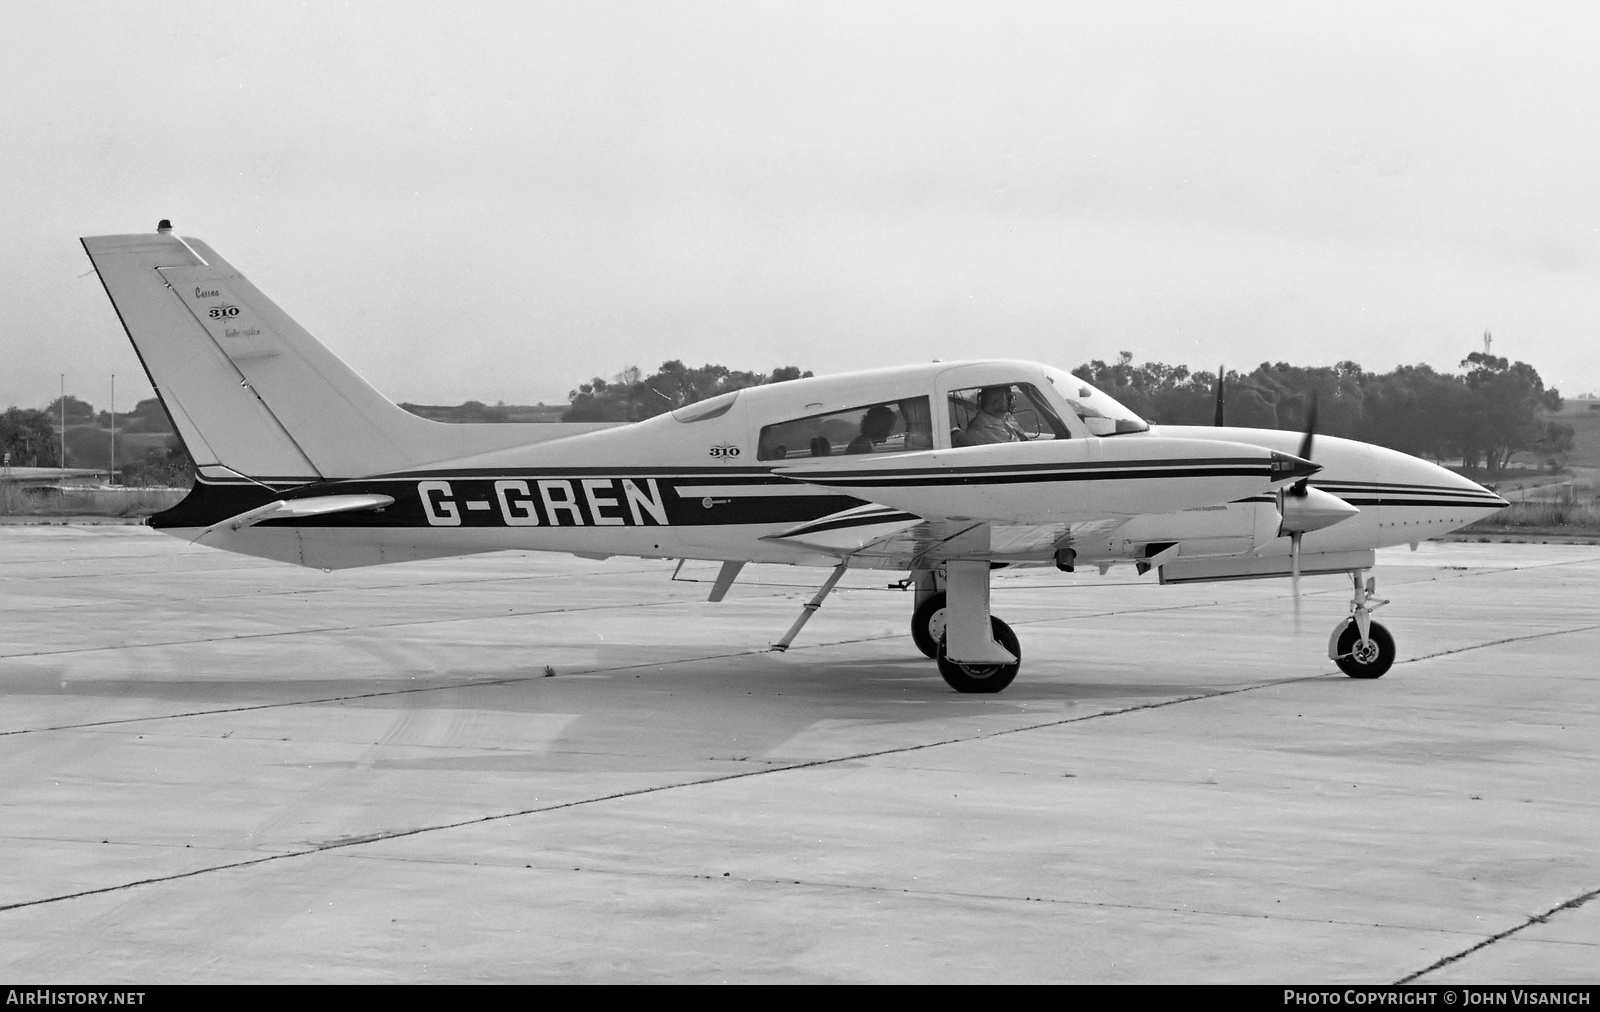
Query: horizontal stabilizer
[{"x": 285, "y": 509}]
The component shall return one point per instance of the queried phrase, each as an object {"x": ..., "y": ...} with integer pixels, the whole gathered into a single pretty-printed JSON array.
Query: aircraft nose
[
  {"x": 1288, "y": 467},
  {"x": 1499, "y": 502},
  {"x": 1462, "y": 499},
  {"x": 1477, "y": 494}
]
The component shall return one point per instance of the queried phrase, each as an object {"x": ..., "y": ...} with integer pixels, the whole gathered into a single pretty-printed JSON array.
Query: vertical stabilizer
[
  {"x": 220, "y": 419},
  {"x": 250, "y": 390}
]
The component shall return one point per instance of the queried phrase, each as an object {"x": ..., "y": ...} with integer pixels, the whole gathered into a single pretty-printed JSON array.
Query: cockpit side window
[
  {"x": 1002, "y": 413},
  {"x": 888, "y": 427}
]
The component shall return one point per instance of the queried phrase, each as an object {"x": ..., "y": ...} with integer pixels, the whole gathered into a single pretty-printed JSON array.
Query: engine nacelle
[{"x": 1307, "y": 509}]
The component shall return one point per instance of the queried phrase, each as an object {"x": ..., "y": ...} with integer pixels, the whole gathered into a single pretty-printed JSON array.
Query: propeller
[
  {"x": 1221, "y": 397},
  {"x": 1311, "y": 430},
  {"x": 1300, "y": 491}
]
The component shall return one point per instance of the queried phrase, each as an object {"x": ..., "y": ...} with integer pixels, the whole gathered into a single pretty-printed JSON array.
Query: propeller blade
[
  {"x": 1294, "y": 578},
  {"x": 1311, "y": 429},
  {"x": 1221, "y": 397}
]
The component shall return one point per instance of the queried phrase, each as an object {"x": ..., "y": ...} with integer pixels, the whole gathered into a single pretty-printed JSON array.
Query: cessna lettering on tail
[{"x": 548, "y": 502}]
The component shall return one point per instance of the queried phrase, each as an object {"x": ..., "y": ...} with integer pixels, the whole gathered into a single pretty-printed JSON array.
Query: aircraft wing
[
  {"x": 1057, "y": 481},
  {"x": 1020, "y": 502},
  {"x": 885, "y": 538}
]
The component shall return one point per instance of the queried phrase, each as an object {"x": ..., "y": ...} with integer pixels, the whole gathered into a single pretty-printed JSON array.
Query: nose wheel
[
  {"x": 1363, "y": 658},
  {"x": 1361, "y": 647}
]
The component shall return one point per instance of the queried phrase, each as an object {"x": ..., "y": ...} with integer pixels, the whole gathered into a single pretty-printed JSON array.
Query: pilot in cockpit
[{"x": 993, "y": 422}]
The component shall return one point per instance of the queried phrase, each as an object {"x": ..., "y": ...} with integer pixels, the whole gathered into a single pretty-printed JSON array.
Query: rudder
[{"x": 252, "y": 391}]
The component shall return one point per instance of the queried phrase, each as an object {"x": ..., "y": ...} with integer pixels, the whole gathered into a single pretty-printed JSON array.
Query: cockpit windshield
[{"x": 1102, "y": 413}]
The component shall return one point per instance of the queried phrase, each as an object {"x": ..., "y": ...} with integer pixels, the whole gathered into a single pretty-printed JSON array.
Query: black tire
[
  {"x": 983, "y": 677},
  {"x": 927, "y": 625},
  {"x": 1375, "y": 661}
]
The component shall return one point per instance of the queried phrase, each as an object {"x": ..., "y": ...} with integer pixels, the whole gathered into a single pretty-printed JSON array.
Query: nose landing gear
[{"x": 1361, "y": 647}]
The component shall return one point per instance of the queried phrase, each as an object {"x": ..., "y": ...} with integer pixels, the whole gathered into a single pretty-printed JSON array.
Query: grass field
[{"x": 87, "y": 501}]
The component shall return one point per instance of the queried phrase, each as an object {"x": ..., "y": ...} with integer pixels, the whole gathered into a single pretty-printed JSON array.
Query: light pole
[
  {"x": 63, "y": 403},
  {"x": 111, "y": 479}
]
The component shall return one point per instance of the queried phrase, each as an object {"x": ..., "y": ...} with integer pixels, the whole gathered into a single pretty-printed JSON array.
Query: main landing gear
[
  {"x": 1361, "y": 647},
  {"x": 979, "y": 653},
  {"x": 976, "y": 651}
]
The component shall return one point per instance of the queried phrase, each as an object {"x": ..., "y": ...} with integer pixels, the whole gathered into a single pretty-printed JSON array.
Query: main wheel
[
  {"x": 983, "y": 677},
  {"x": 927, "y": 625},
  {"x": 1368, "y": 660}
]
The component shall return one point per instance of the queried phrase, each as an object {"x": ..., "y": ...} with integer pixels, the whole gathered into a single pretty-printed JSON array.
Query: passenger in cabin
[
  {"x": 993, "y": 422},
  {"x": 876, "y": 425}
]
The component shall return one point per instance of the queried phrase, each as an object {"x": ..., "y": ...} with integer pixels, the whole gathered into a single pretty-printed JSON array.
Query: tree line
[
  {"x": 1494, "y": 409},
  {"x": 631, "y": 396}
]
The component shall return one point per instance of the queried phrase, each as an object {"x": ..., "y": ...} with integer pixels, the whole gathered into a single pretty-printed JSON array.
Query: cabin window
[
  {"x": 1002, "y": 413},
  {"x": 887, "y": 427}
]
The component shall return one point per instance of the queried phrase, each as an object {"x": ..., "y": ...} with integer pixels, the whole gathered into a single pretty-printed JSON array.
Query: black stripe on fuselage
[
  {"x": 1376, "y": 493},
  {"x": 1127, "y": 472},
  {"x": 1256, "y": 463}
]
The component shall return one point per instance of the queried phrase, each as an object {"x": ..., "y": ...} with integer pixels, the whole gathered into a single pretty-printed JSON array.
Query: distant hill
[{"x": 477, "y": 411}]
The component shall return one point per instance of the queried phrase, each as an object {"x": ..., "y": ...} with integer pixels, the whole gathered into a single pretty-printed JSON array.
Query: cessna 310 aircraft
[{"x": 298, "y": 459}]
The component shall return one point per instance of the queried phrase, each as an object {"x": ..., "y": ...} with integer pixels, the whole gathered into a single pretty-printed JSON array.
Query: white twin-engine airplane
[{"x": 300, "y": 460}]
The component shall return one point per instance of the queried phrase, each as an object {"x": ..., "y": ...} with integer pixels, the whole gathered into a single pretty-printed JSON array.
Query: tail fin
[{"x": 249, "y": 389}]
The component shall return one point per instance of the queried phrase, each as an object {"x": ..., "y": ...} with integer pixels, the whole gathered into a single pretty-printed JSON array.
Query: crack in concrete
[
  {"x": 1500, "y": 642},
  {"x": 722, "y": 778},
  {"x": 518, "y": 679},
  {"x": 400, "y": 834},
  {"x": 1544, "y": 918},
  {"x": 509, "y": 680}
]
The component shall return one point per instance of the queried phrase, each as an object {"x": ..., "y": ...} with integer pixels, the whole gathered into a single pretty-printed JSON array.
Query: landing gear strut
[{"x": 1361, "y": 647}]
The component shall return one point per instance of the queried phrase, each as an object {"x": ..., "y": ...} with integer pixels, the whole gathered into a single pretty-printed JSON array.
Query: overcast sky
[{"x": 499, "y": 201}]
